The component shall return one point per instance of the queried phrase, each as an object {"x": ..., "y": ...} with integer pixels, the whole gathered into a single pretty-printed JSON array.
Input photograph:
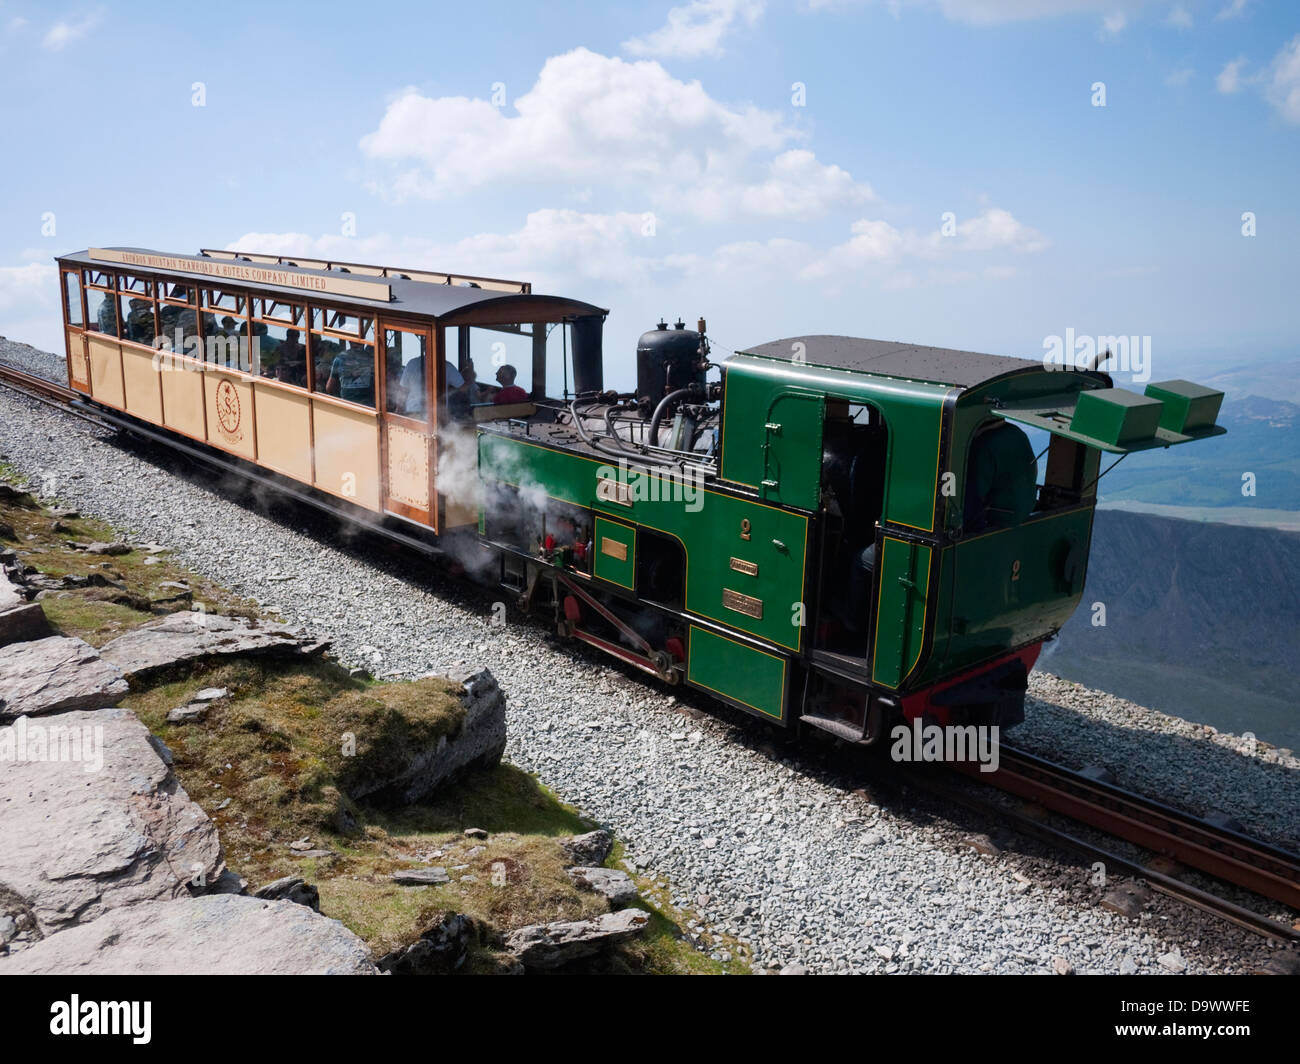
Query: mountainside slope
[{"x": 1201, "y": 621}]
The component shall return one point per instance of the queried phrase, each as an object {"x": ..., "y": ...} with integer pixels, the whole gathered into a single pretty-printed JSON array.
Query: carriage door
[
  {"x": 74, "y": 323},
  {"x": 409, "y": 423}
]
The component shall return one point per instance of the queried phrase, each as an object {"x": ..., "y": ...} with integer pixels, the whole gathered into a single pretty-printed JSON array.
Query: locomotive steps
[{"x": 218, "y": 783}]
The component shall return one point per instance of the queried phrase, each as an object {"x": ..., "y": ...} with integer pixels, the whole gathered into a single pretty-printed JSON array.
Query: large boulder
[
  {"x": 552, "y": 945},
  {"x": 478, "y": 742},
  {"x": 92, "y": 819},
  {"x": 189, "y": 637},
  {"x": 219, "y": 934},
  {"x": 20, "y": 620},
  {"x": 53, "y": 675}
]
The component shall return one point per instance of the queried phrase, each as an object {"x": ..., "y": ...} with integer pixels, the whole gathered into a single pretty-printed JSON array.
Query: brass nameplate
[
  {"x": 742, "y": 566},
  {"x": 613, "y": 548},
  {"x": 610, "y": 490},
  {"x": 746, "y": 604},
  {"x": 229, "y": 270}
]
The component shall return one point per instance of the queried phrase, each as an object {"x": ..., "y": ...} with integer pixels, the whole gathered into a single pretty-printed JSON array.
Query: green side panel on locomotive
[
  {"x": 784, "y": 463},
  {"x": 902, "y": 611},
  {"x": 745, "y": 560},
  {"x": 1008, "y": 587},
  {"x": 614, "y": 544},
  {"x": 744, "y": 674}
]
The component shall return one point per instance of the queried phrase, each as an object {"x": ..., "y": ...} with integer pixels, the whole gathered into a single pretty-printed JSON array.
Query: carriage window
[
  {"x": 226, "y": 340},
  {"x": 101, "y": 311},
  {"x": 340, "y": 321},
  {"x": 282, "y": 353},
  {"x": 137, "y": 318},
  {"x": 134, "y": 284},
  {"x": 345, "y": 368},
  {"x": 176, "y": 293},
  {"x": 179, "y": 325},
  {"x": 220, "y": 299},
  {"x": 72, "y": 300},
  {"x": 405, "y": 360},
  {"x": 275, "y": 310}
]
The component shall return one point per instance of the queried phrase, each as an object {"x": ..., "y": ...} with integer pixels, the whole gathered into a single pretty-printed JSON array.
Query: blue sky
[{"x": 662, "y": 160}]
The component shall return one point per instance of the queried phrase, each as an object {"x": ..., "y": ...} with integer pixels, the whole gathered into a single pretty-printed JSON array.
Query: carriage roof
[{"x": 447, "y": 302}]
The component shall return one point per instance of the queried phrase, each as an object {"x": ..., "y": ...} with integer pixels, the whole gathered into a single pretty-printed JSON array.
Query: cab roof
[{"x": 890, "y": 358}]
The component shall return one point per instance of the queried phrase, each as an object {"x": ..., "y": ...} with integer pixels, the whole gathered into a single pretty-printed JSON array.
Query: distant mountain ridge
[{"x": 1263, "y": 438}]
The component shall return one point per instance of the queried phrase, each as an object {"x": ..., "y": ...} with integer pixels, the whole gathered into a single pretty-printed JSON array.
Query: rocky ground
[
  {"x": 799, "y": 857},
  {"x": 156, "y": 756}
]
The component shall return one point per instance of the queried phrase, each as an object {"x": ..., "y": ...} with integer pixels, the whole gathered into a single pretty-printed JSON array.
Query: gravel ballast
[{"x": 756, "y": 835}]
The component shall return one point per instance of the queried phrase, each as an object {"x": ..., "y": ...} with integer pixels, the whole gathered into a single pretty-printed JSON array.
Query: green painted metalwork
[
  {"x": 743, "y": 674},
  {"x": 714, "y": 527},
  {"x": 792, "y": 458},
  {"x": 1007, "y": 588},
  {"x": 912, "y": 412},
  {"x": 615, "y": 548},
  {"x": 902, "y": 610}
]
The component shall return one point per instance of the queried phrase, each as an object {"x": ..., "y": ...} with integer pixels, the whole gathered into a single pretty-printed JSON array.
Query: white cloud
[
  {"x": 1113, "y": 24},
  {"x": 1229, "y": 79},
  {"x": 554, "y": 247},
  {"x": 797, "y": 186},
  {"x": 29, "y": 305},
  {"x": 875, "y": 242},
  {"x": 1234, "y": 10},
  {"x": 65, "y": 31},
  {"x": 623, "y": 125},
  {"x": 1179, "y": 18},
  {"x": 1178, "y": 79},
  {"x": 564, "y": 250},
  {"x": 695, "y": 29},
  {"x": 21, "y": 286},
  {"x": 1282, "y": 88}
]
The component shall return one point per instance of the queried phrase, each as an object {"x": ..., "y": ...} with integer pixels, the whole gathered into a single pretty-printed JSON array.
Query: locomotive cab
[{"x": 939, "y": 560}]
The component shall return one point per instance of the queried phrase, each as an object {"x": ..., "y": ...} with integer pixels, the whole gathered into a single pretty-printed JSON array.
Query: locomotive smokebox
[
  {"x": 588, "y": 356},
  {"x": 666, "y": 360}
]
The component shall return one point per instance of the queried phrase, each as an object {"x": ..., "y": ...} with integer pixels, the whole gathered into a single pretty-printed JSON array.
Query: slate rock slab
[
  {"x": 54, "y": 675},
  {"x": 188, "y": 637},
  {"x": 552, "y": 945},
  {"x": 291, "y": 888},
  {"x": 218, "y": 934},
  {"x": 110, "y": 830},
  {"x": 588, "y": 850},
  {"x": 616, "y": 886},
  {"x": 420, "y": 877}
]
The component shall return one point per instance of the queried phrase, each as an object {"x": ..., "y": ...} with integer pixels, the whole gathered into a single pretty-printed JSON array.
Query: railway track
[{"x": 1218, "y": 851}]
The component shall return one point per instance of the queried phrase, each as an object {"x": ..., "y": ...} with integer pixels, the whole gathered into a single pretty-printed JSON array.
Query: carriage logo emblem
[{"x": 228, "y": 407}]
